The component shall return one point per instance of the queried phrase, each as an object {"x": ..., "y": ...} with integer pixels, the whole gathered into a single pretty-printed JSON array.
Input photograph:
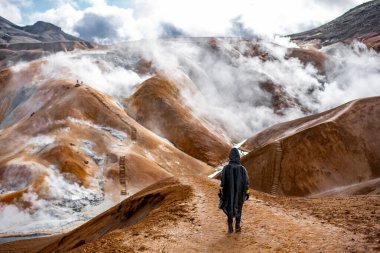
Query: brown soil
[
  {"x": 64, "y": 106},
  {"x": 281, "y": 100},
  {"x": 294, "y": 158},
  {"x": 157, "y": 104},
  {"x": 358, "y": 214},
  {"x": 28, "y": 245},
  {"x": 371, "y": 40},
  {"x": 181, "y": 215},
  {"x": 69, "y": 161},
  {"x": 5, "y": 75},
  {"x": 309, "y": 56}
]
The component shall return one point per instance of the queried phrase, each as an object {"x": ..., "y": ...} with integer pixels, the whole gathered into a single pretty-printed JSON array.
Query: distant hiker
[
  {"x": 233, "y": 190},
  {"x": 77, "y": 84}
]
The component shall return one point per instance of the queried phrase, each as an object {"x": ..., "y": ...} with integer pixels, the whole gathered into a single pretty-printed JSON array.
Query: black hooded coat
[{"x": 235, "y": 184}]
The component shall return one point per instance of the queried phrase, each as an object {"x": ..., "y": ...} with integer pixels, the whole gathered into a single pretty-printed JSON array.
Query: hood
[{"x": 234, "y": 155}]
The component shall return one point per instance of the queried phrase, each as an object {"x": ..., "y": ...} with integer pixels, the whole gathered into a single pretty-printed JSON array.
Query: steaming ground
[
  {"x": 229, "y": 97},
  {"x": 68, "y": 204},
  {"x": 229, "y": 82}
]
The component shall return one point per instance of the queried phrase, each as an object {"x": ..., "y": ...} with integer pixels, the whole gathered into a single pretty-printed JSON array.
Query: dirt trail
[
  {"x": 195, "y": 224},
  {"x": 264, "y": 228}
]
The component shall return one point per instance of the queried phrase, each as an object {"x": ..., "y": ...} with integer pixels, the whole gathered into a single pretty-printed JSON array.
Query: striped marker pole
[{"x": 123, "y": 183}]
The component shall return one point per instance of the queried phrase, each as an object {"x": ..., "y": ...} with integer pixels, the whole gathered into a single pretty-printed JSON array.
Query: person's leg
[
  {"x": 230, "y": 227},
  {"x": 237, "y": 220}
]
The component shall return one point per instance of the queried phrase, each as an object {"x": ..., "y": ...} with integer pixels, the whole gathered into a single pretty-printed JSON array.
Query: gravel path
[{"x": 193, "y": 223}]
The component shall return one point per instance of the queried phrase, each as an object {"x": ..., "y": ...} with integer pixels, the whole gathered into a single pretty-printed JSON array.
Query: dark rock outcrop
[
  {"x": 34, "y": 41},
  {"x": 361, "y": 23},
  {"x": 39, "y": 32}
]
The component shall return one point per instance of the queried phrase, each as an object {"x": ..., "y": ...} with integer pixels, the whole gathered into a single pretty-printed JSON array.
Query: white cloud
[
  {"x": 212, "y": 17},
  {"x": 64, "y": 16},
  {"x": 10, "y": 11},
  {"x": 69, "y": 17},
  {"x": 97, "y": 2},
  {"x": 195, "y": 18},
  {"x": 22, "y": 3}
]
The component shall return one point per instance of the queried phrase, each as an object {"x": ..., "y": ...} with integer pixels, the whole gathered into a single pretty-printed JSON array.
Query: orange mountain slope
[
  {"x": 81, "y": 133},
  {"x": 157, "y": 104},
  {"x": 319, "y": 152}
]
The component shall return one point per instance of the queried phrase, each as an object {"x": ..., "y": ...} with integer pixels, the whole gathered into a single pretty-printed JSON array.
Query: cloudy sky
[{"x": 108, "y": 21}]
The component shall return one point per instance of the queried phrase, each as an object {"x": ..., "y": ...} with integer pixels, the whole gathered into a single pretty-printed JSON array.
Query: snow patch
[
  {"x": 40, "y": 142},
  {"x": 88, "y": 150},
  {"x": 115, "y": 133}
]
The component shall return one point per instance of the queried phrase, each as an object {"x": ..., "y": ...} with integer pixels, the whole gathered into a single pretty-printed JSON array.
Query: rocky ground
[
  {"x": 187, "y": 220},
  {"x": 361, "y": 23}
]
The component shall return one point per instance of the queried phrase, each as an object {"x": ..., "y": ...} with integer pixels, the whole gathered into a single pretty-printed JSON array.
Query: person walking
[{"x": 233, "y": 190}]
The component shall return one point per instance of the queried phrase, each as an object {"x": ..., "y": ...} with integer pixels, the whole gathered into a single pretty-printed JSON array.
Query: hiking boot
[
  {"x": 237, "y": 227},
  {"x": 230, "y": 229}
]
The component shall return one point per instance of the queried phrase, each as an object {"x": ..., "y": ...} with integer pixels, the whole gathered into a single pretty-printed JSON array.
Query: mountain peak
[
  {"x": 40, "y": 27},
  {"x": 363, "y": 20},
  {"x": 38, "y": 32}
]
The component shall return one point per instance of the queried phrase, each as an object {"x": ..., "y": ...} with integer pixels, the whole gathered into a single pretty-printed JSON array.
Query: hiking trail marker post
[{"x": 122, "y": 176}]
